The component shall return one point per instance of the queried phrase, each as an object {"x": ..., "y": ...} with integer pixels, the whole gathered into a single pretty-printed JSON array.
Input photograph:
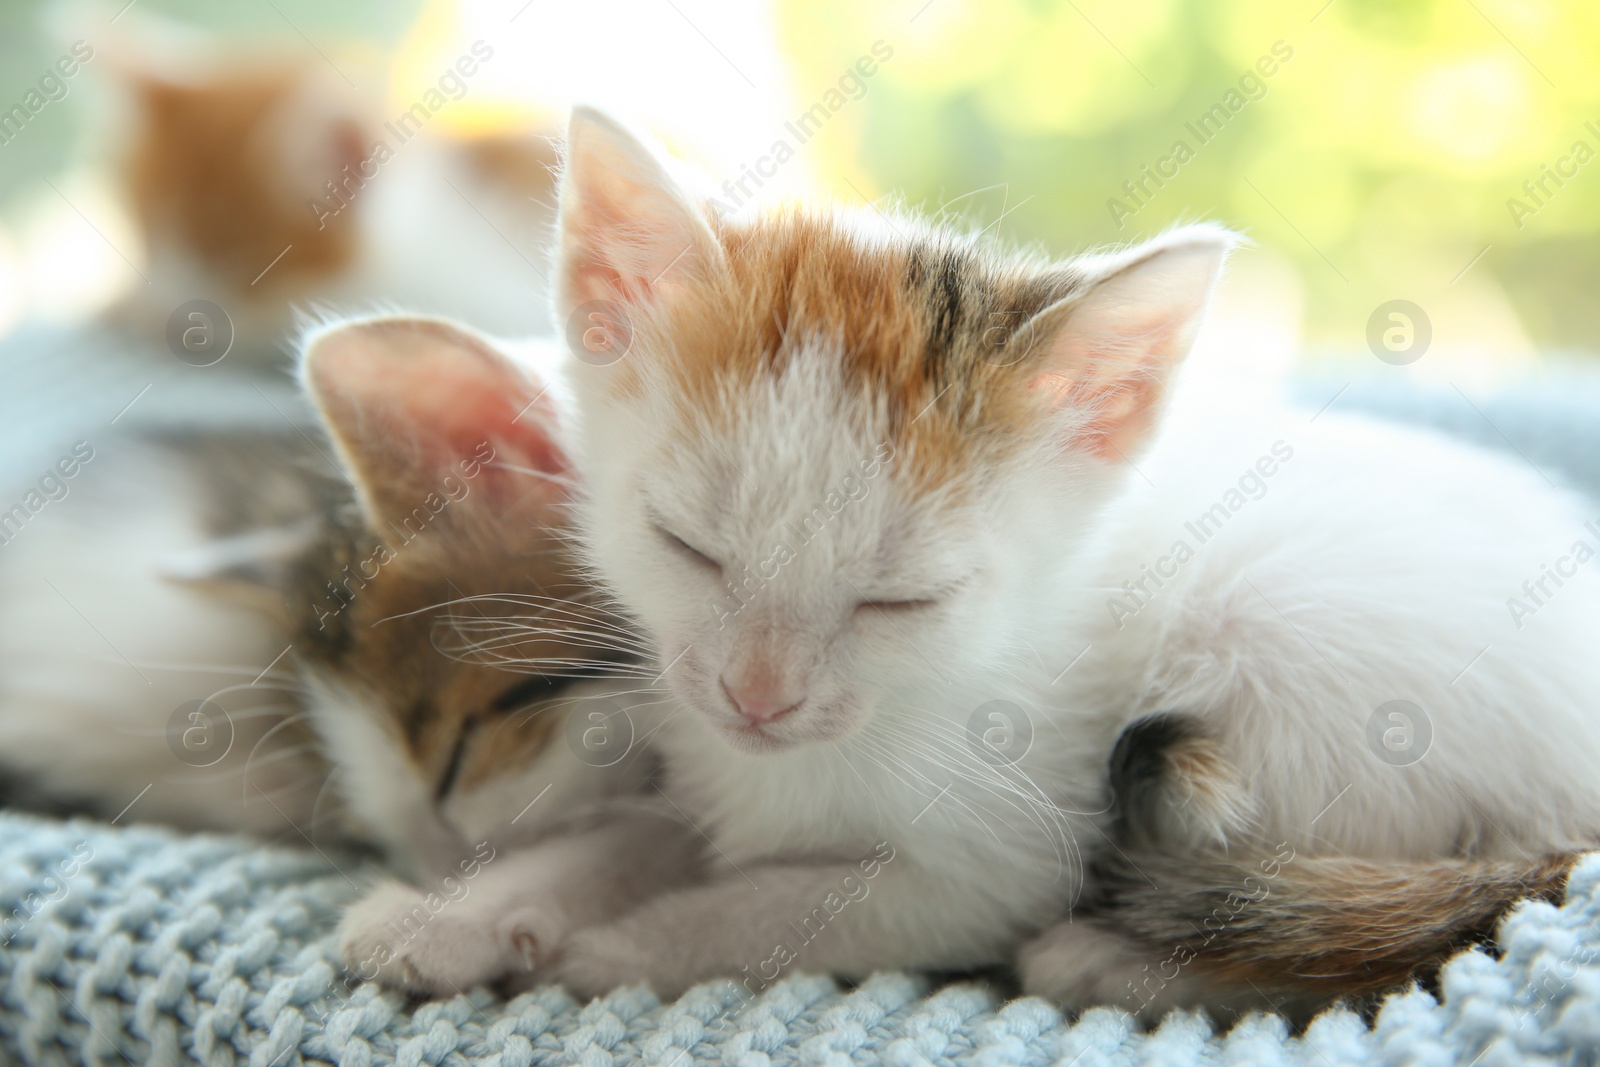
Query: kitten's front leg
[
  {"x": 840, "y": 918},
  {"x": 509, "y": 920}
]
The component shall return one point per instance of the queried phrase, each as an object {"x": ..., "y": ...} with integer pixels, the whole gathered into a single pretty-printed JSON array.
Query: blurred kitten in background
[{"x": 265, "y": 183}]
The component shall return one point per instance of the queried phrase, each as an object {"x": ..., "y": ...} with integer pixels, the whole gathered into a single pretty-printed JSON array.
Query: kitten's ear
[
  {"x": 428, "y": 417},
  {"x": 627, "y": 230},
  {"x": 1105, "y": 356}
]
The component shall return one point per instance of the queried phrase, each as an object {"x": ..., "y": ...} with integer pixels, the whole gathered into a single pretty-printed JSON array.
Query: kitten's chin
[
  {"x": 784, "y": 734},
  {"x": 753, "y": 740}
]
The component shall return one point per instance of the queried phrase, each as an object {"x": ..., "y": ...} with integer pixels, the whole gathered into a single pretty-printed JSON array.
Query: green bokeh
[{"x": 1380, "y": 158}]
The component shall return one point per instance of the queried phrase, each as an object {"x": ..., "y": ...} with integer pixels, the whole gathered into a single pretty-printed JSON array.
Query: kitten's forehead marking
[{"x": 917, "y": 324}]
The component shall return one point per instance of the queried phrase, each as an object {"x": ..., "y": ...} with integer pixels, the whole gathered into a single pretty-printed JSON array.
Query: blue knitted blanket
[{"x": 146, "y": 946}]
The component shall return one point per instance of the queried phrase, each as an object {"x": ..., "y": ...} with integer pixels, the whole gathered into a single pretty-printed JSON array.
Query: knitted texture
[{"x": 145, "y": 946}]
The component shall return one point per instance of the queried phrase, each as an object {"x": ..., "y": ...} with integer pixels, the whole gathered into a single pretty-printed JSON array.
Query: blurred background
[{"x": 1437, "y": 152}]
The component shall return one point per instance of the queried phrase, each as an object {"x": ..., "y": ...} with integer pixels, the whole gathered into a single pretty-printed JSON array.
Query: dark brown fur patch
[
  {"x": 1173, "y": 787},
  {"x": 1309, "y": 931},
  {"x": 394, "y": 638}
]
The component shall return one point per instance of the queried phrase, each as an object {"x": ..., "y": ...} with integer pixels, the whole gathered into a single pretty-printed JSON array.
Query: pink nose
[{"x": 761, "y": 703}]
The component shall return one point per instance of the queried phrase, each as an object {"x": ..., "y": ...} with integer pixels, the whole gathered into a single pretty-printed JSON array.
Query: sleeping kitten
[
  {"x": 438, "y": 751},
  {"x": 208, "y": 624},
  {"x": 870, "y": 487}
]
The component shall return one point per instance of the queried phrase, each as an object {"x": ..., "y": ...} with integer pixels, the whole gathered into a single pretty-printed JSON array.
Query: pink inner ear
[
  {"x": 464, "y": 407},
  {"x": 1115, "y": 388},
  {"x": 1117, "y": 410},
  {"x": 414, "y": 402},
  {"x": 628, "y": 231},
  {"x": 468, "y": 411},
  {"x": 594, "y": 279},
  {"x": 614, "y": 256},
  {"x": 1110, "y": 354}
]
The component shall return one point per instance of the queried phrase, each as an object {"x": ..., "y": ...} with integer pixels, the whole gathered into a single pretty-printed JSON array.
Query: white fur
[
  {"x": 386, "y": 795},
  {"x": 97, "y": 651},
  {"x": 1392, "y": 553},
  {"x": 568, "y": 846}
]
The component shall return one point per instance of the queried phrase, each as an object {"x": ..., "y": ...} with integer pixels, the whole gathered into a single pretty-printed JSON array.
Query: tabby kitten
[
  {"x": 209, "y": 628},
  {"x": 438, "y": 751}
]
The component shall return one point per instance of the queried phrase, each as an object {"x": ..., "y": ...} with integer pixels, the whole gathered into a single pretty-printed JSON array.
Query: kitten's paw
[
  {"x": 393, "y": 937},
  {"x": 529, "y": 938},
  {"x": 1081, "y": 966},
  {"x": 598, "y": 960}
]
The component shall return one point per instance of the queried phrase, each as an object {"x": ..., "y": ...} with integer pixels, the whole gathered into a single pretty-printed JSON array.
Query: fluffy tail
[
  {"x": 1184, "y": 911},
  {"x": 1303, "y": 932}
]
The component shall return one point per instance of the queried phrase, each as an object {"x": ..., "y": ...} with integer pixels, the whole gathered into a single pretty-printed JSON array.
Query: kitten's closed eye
[
  {"x": 458, "y": 752},
  {"x": 685, "y": 548},
  {"x": 524, "y": 694},
  {"x": 540, "y": 687},
  {"x": 531, "y": 691},
  {"x": 897, "y": 607},
  {"x": 903, "y": 605}
]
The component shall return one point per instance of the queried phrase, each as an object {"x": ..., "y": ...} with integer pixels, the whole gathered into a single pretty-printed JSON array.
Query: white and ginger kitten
[
  {"x": 260, "y": 180},
  {"x": 860, "y": 478}
]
